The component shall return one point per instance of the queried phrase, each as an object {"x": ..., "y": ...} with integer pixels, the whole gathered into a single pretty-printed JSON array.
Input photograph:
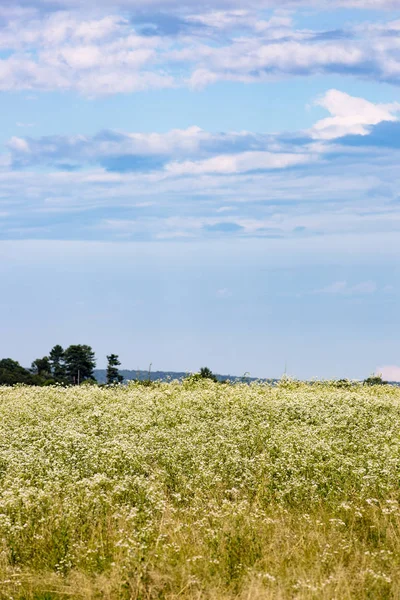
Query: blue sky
[{"x": 202, "y": 186}]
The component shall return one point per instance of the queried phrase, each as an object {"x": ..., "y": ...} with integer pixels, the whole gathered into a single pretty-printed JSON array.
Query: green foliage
[
  {"x": 12, "y": 373},
  {"x": 113, "y": 375},
  {"x": 206, "y": 373},
  {"x": 42, "y": 367},
  {"x": 89, "y": 382},
  {"x": 192, "y": 379},
  {"x": 374, "y": 380},
  {"x": 143, "y": 382},
  {"x": 57, "y": 362},
  {"x": 79, "y": 363},
  {"x": 344, "y": 383}
]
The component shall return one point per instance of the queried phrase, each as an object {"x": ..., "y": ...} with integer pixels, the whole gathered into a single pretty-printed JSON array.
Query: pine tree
[
  {"x": 79, "y": 363},
  {"x": 113, "y": 376},
  {"x": 57, "y": 362}
]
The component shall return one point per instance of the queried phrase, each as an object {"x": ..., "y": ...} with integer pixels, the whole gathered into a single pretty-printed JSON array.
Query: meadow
[{"x": 197, "y": 490}]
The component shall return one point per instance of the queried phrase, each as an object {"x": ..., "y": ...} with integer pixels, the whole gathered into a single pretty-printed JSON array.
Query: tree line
[
  {"x": 69, "y": 366},
  {"x": 76, "y": 364}
]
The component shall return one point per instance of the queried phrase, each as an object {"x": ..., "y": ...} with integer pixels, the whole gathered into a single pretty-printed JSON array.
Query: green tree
[
  {"x": 79, "y": 363},
  {"x": 113, "y": 376},
  {"x": 42, "y": 367},
  {"x": 57, "y": 362},
  {"x": 206, "y": 373},
  {"x": 11, "y": 373},
  {"x": 374, "y": 380}
]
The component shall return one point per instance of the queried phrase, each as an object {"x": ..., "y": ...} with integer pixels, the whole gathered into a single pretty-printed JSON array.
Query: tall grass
[{"x": 200, "y": 490}]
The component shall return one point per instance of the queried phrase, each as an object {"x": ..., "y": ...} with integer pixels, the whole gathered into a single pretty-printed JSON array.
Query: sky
[{"x": 196, "y": 185}]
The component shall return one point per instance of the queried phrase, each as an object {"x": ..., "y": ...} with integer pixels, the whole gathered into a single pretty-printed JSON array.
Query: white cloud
[
  {"x": 223, "y": 209},
  {"x": 274, "y": 49},
  {"x": 231, "y": 5},
  {"x": 222, "y": 19},
  {"x": 57, "y": 29},
  {"x": 18, "y": 145},
  {"x": 218, "y": 184},
  {"x": 389, "y": 372},
  {"x": 200, "y": 78},
  {"x": 224, "y": 293},
  {"x": 106, "y": 54},
  {"x": 238, "y": 163},
  {"x": 350, "y": 115},
  {"x": 205, "y": 152},
  {"x": 93, "y": 56},
  {"x": 176, "y": 140},
  {"x": 342, "y": 287},
  {"x": 366, "y": 287},
  {"x": 194, "y": 151},
  {"x": 275, "y": 27},
  {"x": 80, "y": 150},
  {"x": 338, "y": 287}
]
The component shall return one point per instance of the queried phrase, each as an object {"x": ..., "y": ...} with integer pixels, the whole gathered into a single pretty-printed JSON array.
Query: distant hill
[{"x": 100, "y": 375}]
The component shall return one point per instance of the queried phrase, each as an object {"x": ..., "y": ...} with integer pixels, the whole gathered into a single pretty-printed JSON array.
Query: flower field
[{"x": 200, "y": 490}]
